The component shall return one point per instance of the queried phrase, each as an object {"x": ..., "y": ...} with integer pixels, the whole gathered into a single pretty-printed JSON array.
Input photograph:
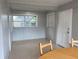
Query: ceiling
[{"x": 35, "y": 5}]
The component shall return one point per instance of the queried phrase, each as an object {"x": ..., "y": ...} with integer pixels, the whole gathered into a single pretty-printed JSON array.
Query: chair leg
[
  {"x": 41, "y": 49},
  {"x": 51, "y": 45}
]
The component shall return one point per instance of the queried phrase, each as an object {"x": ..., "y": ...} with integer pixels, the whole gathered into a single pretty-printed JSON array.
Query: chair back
[
  {"x": 74, "y": 42},
  {"x": 44, "y": 46}
]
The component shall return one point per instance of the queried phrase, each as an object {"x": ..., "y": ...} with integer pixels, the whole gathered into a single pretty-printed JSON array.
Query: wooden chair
[
  {"x": 44, "y": 46},
  {"x": 74, "y": 42}
]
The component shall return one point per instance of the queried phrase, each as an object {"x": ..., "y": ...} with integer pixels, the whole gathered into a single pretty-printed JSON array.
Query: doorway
[{"x": 64, "y": 31}]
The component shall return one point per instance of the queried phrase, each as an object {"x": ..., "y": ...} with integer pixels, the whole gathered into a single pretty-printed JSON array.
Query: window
[{"x": 25, "y": 21}]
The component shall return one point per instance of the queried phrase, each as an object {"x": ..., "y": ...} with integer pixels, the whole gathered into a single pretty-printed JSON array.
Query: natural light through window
[{"x": 25, "y": 21}]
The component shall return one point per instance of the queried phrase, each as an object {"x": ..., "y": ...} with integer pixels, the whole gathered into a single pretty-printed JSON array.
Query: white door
[
  {"x": 64, "y": 31},
  {"x": 51, "y": 26}
]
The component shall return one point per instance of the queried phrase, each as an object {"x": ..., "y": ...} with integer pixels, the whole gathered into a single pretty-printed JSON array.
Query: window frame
[{"x": 24, "y": 21}]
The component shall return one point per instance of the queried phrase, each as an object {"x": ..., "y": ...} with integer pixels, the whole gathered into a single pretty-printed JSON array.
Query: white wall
[
  {"x": 26, "y": 33},
  {"x": 5, "y": 35},
  {"x": 75, "y": 20},
  {"x": 1, "y": 42},
  {"x": 4, "y": 38},
  {"x": 10, "y": 31}
]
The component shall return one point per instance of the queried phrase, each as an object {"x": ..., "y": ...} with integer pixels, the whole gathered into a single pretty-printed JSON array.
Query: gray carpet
[{"x": 28, "y": 49}]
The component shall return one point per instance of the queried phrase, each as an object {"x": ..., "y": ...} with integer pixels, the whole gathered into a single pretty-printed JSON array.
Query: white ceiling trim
[
  {"x": 30, "y": 7},
  {"x": 36, "y": 4},
  {"x": 41, "y": 2}
]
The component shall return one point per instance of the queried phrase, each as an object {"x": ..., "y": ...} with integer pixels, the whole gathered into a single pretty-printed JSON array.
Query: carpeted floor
[{"x": 27, "y": 49}]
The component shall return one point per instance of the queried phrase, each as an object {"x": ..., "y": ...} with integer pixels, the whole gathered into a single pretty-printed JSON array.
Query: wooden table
[{"x": 62, "y": 53}]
